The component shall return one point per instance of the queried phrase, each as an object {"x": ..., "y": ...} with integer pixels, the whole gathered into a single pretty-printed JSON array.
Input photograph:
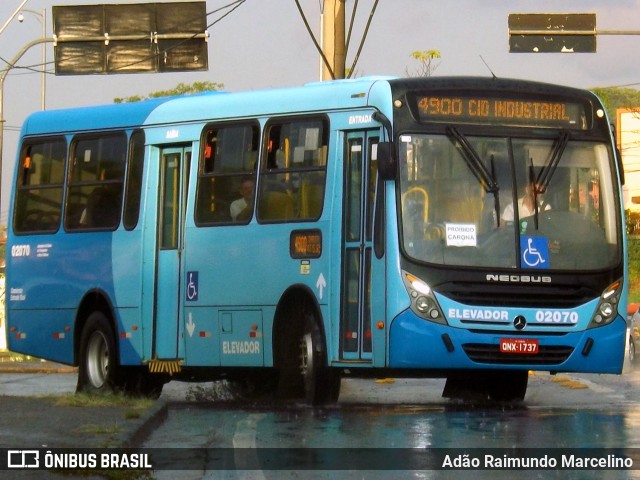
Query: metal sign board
[
  {"x": 552, "y": 33},
  {"x": 130, "y": 38}
]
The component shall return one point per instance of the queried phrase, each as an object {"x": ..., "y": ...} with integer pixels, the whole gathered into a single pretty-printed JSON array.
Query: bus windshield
[{"x": 505, "y": 202}]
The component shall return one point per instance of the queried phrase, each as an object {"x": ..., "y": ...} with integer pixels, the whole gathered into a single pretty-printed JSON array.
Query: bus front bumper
[{"x": 415, "y": 343}]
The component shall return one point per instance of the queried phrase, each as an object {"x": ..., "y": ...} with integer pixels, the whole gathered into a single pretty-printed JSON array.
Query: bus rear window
[{"x": 38, "y": 202}]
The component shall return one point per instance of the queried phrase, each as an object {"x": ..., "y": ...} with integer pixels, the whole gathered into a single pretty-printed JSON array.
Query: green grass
[{"x": 135, "y": 404}]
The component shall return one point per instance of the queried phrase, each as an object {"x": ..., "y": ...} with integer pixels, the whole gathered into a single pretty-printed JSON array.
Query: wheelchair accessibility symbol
[
  {"x": 192, "y": 286},
  {"x": 534, "y": 252}
]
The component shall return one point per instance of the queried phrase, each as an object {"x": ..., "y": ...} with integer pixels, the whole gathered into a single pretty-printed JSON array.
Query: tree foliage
[
  {"x": 429, "y": 61},
  {"x": 614, "y": 98},
  {"x": 180, "y": 89}
]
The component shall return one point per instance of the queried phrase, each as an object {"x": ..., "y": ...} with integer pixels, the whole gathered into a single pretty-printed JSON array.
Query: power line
[
  {"x": 325, "y": 60},
  {"x": 622, "y": 86},
  {"x": 236, "y": 4},
  {"x": 364, "y": 37},
  {"x": 232, "y": 6}
]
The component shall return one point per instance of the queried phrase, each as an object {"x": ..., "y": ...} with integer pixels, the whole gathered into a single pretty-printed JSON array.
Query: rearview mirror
[{"x": 386, "y": 161}]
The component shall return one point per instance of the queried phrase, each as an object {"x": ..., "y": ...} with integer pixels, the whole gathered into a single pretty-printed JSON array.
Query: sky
[{"x": 264, "y": 44}]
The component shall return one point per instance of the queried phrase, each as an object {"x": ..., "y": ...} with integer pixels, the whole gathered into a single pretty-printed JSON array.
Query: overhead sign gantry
[{"x": 130, "y": 38}]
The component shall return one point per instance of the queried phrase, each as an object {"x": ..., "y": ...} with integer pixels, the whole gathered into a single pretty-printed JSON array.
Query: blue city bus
[{"x": 465, "y": 228}]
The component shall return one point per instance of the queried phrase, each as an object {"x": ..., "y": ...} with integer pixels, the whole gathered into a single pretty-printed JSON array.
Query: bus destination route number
[
  {"x": 519, "y": 345},
  {"x": 305, "y": 244},
  {"x": 500, "y": 111}
]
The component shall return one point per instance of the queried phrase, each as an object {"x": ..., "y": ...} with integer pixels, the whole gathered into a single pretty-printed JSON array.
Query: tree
[
  {"x": 614, "y": 98},
  {"x": 180, "y": 89},
  {"x": 429, "y": 60}
]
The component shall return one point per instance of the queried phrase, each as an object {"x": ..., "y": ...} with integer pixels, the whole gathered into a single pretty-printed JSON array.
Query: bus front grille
[
  {"x": 528, "y": 296},
  {"x": 547, "y": 355}
]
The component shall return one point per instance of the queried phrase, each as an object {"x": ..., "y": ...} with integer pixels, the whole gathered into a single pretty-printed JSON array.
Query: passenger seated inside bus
[
  {"x": 101, "y": 210},
  {"x": 242, "y": 208}
]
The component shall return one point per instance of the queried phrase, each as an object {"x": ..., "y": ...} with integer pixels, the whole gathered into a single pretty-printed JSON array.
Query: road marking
[{"x": 244, "y": 438}]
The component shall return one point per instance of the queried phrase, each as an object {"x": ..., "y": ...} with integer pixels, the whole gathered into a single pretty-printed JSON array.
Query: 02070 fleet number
[{"x": 555, "y": 316}]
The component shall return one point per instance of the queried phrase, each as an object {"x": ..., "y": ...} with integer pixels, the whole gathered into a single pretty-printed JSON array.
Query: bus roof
[
  {"x": 316, "y": 96},
  {"x": 485, "y": 83},
  {"x": 91, "y": 118},
  {"x": 312, "y": 97}
]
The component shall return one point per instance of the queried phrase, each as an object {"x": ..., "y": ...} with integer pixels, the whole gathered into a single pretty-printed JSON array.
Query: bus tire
[
  {"x": 138, "y": 382},
  {"x": 97, "y": 370},
  {"x": 321, "y": 382}
]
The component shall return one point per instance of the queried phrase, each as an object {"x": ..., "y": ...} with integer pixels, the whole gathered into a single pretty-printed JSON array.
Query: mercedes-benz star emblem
[{"x": 519, "y": 322}]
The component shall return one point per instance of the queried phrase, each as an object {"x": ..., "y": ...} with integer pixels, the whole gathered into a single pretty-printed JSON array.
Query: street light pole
[
  {"x": 3, "y": 76},
  {"x": 43, "y": 75},
  {"x": 333, "y": 39},
  {"x": 13, "y": 15}
]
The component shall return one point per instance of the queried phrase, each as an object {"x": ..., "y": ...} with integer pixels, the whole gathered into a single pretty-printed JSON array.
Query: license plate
[{"x": 519, "y": 345}]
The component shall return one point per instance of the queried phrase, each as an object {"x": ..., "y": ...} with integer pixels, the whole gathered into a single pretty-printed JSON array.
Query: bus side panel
[
  {"x": 52, "y": 273},
  {"x": 129, "y": 336},
  {"x": 202, "y": 336},
  {"x": 396, "y": 294},
  {"x": 240, "y": 279},
  {"x": 43, "y": 333},
  {"x": 127, "y": 264}
]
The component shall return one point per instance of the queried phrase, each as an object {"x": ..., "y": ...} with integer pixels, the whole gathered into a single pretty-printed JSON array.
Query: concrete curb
[
  {"x": 156, "y": 417},
  {"x": 35, "y": 367}
]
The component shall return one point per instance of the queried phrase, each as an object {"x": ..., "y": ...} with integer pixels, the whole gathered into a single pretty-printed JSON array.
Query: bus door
[
  {"x": 172, "y": 199},
  {"x": 362, "y": 299}
]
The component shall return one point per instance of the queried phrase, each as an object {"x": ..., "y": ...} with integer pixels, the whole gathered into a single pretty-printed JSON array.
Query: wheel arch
[
  {"x": 94, "y": 300},
  {"x": 288, "y": 330}
]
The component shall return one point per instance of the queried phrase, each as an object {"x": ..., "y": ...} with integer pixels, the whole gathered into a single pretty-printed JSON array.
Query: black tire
[
  {"x": 321, "y": 382},
  {"x": 98, "y": 366},
  {"x": 138, "y": 382}
]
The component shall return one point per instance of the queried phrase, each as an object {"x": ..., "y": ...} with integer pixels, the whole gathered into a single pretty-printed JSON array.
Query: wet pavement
[
  {"x": 39, "y": 410},
  {"x": 563, "y": 411}
]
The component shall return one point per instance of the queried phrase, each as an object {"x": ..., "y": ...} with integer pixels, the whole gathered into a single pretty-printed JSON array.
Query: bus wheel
[
  {"x": 98, "y": 362},
  {"x": 138, "y": 382},
  {"x": 321, "y": 383}
]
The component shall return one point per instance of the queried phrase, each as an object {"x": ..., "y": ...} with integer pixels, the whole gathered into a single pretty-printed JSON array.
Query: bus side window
[
  {"x": 39, "y": 190},
  {"x": 293, "y": 175},
  {"x": 96, "y": 178},
  {"x": 133, "y": 189},
  {"x": 226, "y": 178}
]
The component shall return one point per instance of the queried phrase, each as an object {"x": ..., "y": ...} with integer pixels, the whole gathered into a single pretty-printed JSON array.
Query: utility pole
[
  {"x": 3, "y": 76},
  {"x": 333, "y": 39}
]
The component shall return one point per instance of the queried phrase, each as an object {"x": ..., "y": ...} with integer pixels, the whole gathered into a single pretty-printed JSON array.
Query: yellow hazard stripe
[{"x": 165, "y": 366}]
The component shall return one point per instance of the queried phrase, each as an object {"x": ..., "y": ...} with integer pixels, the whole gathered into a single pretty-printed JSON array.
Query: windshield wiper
[
  {"x": 544, "y": 178},
  {"x": 477, "y": 167},
  {"x": 473, "y": 160}
]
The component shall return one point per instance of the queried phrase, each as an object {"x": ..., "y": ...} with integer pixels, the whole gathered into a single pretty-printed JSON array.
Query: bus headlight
[
  {"x": 423, "y": 301},
  {"x": 607, "y": 307}
]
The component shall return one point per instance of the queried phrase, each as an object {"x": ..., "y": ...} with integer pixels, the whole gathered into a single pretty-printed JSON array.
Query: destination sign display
[
  {"x": 500, "y": 111},
  {"x": 305, "y": 244}
]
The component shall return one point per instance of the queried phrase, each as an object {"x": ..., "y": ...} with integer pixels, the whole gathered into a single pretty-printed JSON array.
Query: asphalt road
[{"x": 405, "y": 412}]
